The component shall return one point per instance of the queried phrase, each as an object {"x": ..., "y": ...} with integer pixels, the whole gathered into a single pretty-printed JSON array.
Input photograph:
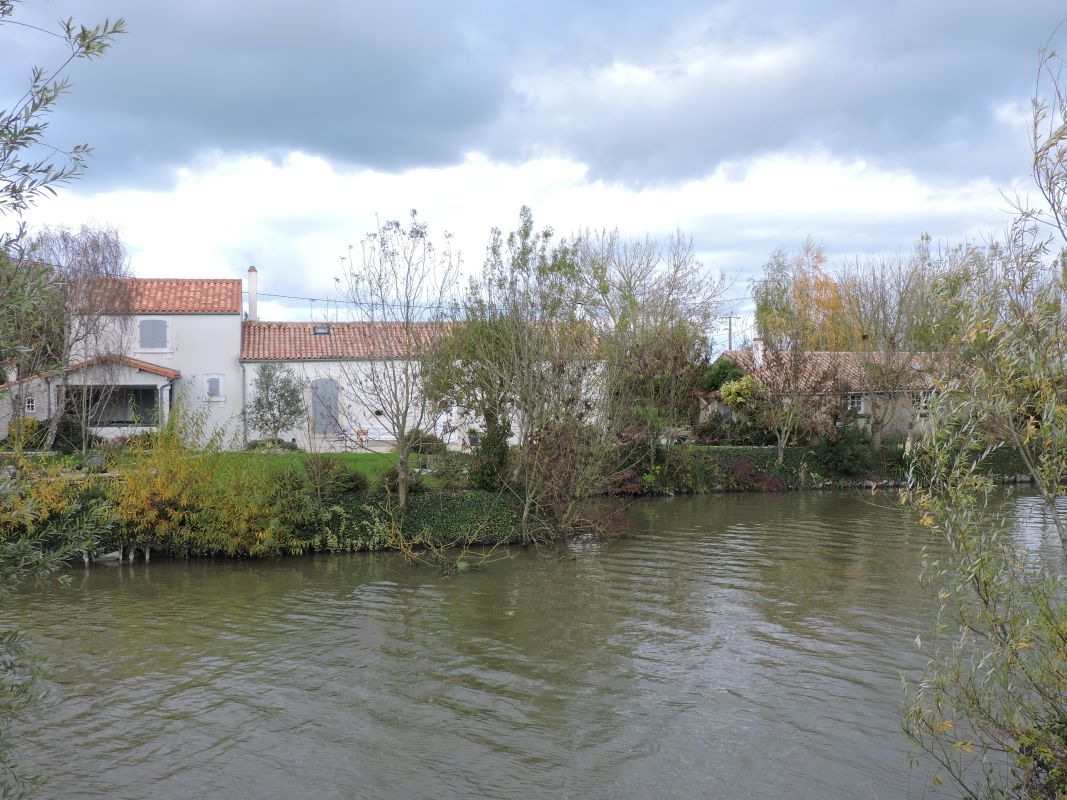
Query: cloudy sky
[{"x": 237, "y": 133}]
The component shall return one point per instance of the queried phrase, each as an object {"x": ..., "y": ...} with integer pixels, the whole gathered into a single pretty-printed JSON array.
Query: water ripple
[{"x": 725, "y": 647}]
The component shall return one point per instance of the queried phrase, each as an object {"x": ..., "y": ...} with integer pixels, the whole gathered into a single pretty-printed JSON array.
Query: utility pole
[{"x": 730, "y": 332}]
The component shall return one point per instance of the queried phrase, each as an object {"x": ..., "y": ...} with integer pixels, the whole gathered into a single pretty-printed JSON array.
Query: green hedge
[
  {"x": 764, "y": 459},
  {"x": 467, "y": 516},
  {"x": 450, "y": 515},
  {"x": 1004, "y": 461},
  {"x": 699, "y": 469}
]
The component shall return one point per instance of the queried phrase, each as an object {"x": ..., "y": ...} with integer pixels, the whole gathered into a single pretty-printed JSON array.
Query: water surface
[{"x": 726, "y": 646}]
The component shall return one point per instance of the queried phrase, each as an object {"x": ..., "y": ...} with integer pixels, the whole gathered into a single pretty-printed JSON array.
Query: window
[
  {"x": 322, "y": 330},
  {"x": 213, "y": 387},
  {"x": 854, "y": 402},
  {"x": 324, "y": 407},
  {"x": 31, "y": 405},
  {"x": 922, "y": 399},
  {"x": 152, "y": 334}
]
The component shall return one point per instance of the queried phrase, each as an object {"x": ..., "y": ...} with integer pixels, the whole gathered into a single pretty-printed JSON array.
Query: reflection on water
[{"x": 725, "y": 646}]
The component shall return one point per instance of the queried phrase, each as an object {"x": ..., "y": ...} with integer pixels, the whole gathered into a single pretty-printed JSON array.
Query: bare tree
[
  {"x": 88, "y": 322},
  {"x": 400, "y": 285},
  {"x": 890, "y": 302},
  {"x": 652, "y": 304},
  {"x": 631, "y": 283}
]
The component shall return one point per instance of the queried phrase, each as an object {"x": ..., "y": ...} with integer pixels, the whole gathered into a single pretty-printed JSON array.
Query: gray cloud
[{"x": 906, "y": 85}]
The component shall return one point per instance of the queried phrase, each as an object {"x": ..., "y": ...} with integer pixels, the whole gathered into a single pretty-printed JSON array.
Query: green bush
[
  {"x": 425, "y": 443},
  {"x": 722, "y": 371},
  {"x": 690, "y": 470},
  {"x": 490, "y": 462},
  {"x": 463, "y": 516},
  {"x": 271, "y": 444},
  {"x": 723, "y": 430},
  {"x": 847, "y": 454},
  {"x": 330, "y": 479},
  {"x": 795, "y": 464},
  {"x": 388, "y": 482},
  {"x": 450, "y": 471}
]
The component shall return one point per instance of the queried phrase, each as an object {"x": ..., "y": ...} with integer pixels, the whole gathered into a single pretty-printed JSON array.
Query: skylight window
[{"x": 322, "y": 330}]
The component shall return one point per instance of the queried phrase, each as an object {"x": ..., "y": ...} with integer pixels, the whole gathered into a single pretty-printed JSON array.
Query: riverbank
[
  {"x": 696, "y": 469},
  {"x": 171, "y": 501}
]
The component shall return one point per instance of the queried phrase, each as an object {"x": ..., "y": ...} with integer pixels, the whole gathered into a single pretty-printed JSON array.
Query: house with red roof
[
  {"x": 886, "y": 393},
  {"x": 195, "y": 341},
  {"x": 172, "y": 336},
  {"x": 329, "y": 358}
]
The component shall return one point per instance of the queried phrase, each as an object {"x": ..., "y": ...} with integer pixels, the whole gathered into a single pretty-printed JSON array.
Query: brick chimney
[{"x": 253, "y": 311}]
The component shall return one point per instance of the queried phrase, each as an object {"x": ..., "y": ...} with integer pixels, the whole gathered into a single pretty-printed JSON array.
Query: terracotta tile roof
[
  {"x": 133, "y": 363},
  {"x": 184, "y": 295},
  {"x": 849, "y": 369},
  {"x": 297, "y": 341}
]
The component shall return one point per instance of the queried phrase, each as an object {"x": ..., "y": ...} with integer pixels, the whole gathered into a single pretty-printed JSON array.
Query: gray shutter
[
  {"x": 324, "y": 406},
  {"x": 153, "y": 334}
]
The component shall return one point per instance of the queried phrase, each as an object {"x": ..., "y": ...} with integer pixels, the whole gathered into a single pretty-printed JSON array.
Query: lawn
[{"x": 370, "y": 464}]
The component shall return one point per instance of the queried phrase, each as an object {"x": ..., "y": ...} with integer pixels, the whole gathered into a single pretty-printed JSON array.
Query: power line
[{"x": 425, "y": 307}]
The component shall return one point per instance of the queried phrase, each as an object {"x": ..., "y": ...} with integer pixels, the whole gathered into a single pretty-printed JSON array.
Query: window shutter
[{"x": 153, "y": 334}]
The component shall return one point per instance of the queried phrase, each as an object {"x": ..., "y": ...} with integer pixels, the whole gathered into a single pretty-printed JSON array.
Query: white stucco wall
[
  {"x": 355, "y": 412},
  {"x": 199, "y": 346},
  {"x": 36, "y": 389}
]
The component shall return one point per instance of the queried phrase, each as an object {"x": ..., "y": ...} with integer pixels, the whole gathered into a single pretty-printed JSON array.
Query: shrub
[
  {"x": 489, "y": 465},
  {"x": 721, "y": 429},
  {"x": 271, "y": 444},
  {"x": 425, "y": 443},
  {"x": 471, "y": 517},
  {"x": 689, "y": 469},
  {"x": 69, "y": 435},
  {"x": 330, "y": 479},
  {"x": 389, "y": 480},
  {"x": 847, "y": 453},
  {"x": 722, "y": 371},
  {"x": 739, "y": 474},
  {"x": 135, "y": 441},
  {"x": 451, "y": 471},
  {"x": 26, "y": 433}
]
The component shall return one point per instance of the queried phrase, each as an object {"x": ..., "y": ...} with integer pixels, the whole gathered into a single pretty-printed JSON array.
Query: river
[{"x": 725, "y": 646}]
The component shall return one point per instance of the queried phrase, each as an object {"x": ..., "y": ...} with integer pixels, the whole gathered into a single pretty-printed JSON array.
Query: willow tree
[
  {"x": 29, "y": 550},
  {"x": 991, "y": 706}
]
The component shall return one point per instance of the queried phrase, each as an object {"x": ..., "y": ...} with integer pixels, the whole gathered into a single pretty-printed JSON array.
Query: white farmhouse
[
  {"x": 186, "y": 340},
  {"x": 178, "y": 337}
]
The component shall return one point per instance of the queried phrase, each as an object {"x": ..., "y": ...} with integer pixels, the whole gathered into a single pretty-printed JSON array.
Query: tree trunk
[
  {"x": 877, "y": 424},
  {"x": 876, "y": 436},
  {"x": 57, "y": 415},
  {"x": 525, "y": 524},
  {"x": 402, "y": 478}
]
